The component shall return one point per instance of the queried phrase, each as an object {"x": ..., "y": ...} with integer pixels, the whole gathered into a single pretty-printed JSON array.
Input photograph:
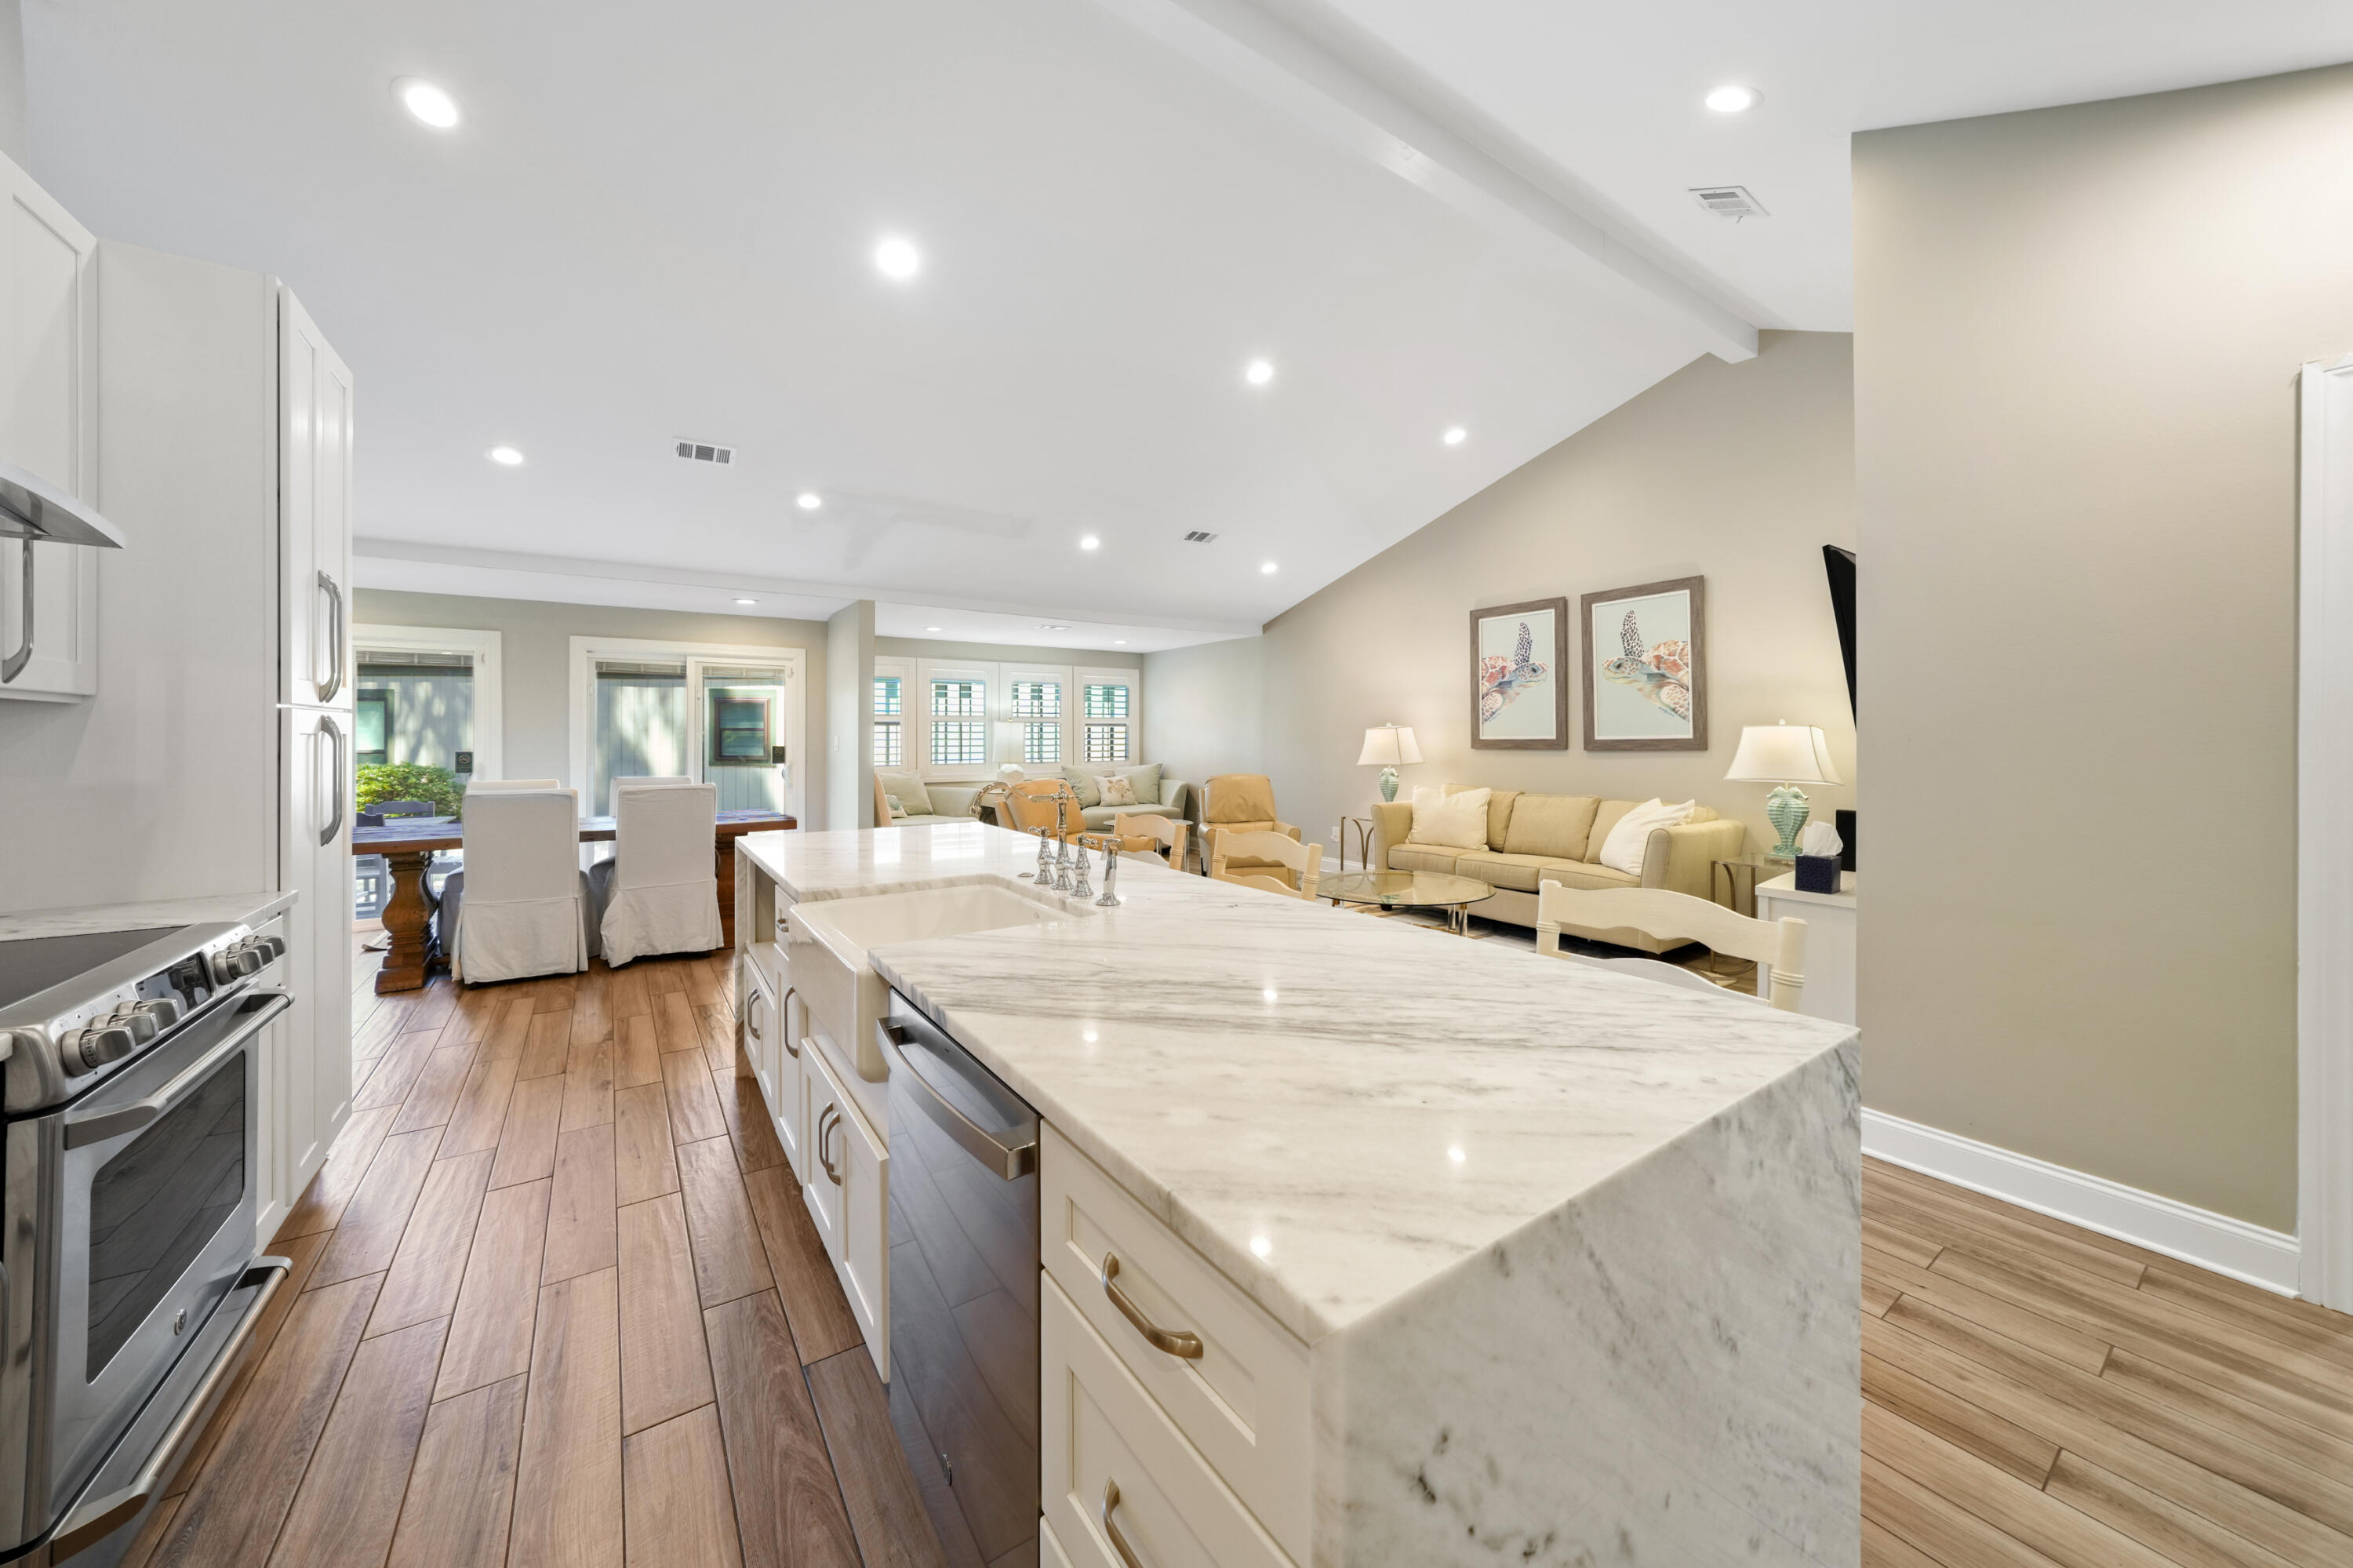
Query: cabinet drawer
[
  {"x": 848, "y": 1194},
  {"x": 1243, "y": 1401},
  {"x": 1101, "y": 1431}
]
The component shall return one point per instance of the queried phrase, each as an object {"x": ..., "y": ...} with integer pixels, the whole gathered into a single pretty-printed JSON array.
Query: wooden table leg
[{"x": 407, "y": 920}]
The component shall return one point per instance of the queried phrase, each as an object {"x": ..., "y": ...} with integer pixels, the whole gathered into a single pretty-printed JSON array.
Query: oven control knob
[
  {"x": 142, "y": 1028},
  {"x": 94, "y": 1048},
  {"x": 277, "y": 946},
  {"x": 165, "y": 1010}
]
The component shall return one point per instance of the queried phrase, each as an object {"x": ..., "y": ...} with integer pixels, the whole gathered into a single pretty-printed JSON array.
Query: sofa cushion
[
  {"x": 1499, "y": 810},
  {"x": 1083, "y": 781},
  {"x": 1145, "y": 781},
  {"x": 1556, "y": 827},
  {"x": 1423, "y": 857},
  {"x": 1231, "y": 798},
  {"x": 1498, "y": 869},
  {"x": 953, "y": 800},
  {"x": 910, "y": 790},
  {"x": 1579, "y": 874}
]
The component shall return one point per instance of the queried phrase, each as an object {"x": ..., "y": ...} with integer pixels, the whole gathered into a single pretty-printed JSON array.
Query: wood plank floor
[{"x": 559, "y": 1303}]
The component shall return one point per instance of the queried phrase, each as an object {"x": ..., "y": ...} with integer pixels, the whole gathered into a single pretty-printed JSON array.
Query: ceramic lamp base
[
  {"x": 1786, "y": 808},
  {"x": 1388, "y": 785}
]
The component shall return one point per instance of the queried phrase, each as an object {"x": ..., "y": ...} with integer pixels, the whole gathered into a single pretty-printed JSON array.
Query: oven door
[{"x": 152, "y": 1184}]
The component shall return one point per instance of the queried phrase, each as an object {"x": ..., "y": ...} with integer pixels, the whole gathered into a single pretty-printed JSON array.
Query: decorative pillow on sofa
[
  {"x": 1084, "y": 785},
  {"x": 1622, "y": 849},
  {"x": 1115, "y": 789},
  {"x": 910, "y": 790},
  {"x": 1450, "y": 821}
]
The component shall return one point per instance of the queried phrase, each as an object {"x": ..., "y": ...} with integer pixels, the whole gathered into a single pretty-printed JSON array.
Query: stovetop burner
[{"x": 31, "y": 965}]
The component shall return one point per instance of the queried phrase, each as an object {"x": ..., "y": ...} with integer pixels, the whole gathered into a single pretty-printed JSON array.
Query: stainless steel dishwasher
[{"x": 964, "y": 1291}]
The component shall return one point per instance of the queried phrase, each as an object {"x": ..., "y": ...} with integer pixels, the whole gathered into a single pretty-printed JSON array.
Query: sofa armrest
[
  {"x": 1392, "y": 821},
  {"x": 1683, "y": 859},
  {"x": 1174, "y": 794},
  {"x": 1288, "y": 828}
]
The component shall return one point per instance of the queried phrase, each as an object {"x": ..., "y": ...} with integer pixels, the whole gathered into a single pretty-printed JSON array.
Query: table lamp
[
  {"x": 1388, "y": 745},
  {"x": 1785, "y": 755}
]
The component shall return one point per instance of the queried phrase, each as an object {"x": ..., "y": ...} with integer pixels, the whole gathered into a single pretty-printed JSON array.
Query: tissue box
[{"x": 1817, "y": 874}]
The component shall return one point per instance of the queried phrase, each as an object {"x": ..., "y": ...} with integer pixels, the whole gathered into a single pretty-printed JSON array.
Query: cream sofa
[
  {"x": 954, "y": 802},
  {"x": 1534, "y": 839}
]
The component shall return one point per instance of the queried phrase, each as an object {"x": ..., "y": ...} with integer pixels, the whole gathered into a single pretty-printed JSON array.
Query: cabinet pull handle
[
  {"x": 14, "y": 665},
  {"x": 1180, "y": 1345},
  {"x": 1110, "y": 1526},
  {"x": 785, "y": 1014},
  {"x": 335, "y": 783},
  {"x": 823, "y": 1126},
  {"x": 334, "y": 681}
]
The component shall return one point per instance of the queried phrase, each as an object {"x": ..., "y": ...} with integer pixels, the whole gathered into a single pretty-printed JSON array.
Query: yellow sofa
[{"x": 1533, "y": 839}]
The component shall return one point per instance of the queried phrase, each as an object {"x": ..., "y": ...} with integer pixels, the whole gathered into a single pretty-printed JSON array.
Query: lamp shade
[
  {"x": 1782, "y": 754},
  {"x": 1389, "y": 746}
]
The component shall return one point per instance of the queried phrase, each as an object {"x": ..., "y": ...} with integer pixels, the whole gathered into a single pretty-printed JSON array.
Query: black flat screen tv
[{"x": 1839, "y": 565}]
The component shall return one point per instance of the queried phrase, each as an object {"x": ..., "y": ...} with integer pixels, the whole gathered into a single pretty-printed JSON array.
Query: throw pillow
[
  {"x": 910, "y": 790},
  {"x": 1085, "y": 784},
  {"x": 1622, "y": 849},
  {"x": 1450, "y": 821},
  {"x": 1115, "y": 789},
  {"x": 897, "y": 810},
  {"x": 1145, "y": 781}
]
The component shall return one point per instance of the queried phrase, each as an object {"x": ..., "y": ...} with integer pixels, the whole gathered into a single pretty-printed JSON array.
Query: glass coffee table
[{"x": 1408, "y": 890}]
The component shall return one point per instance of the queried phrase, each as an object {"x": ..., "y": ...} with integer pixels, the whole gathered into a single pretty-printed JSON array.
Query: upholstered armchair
[{"x": 1241, "y": 803}]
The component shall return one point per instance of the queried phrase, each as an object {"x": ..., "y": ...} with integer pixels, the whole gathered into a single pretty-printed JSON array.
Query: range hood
[{"x": 32, "y": 508}]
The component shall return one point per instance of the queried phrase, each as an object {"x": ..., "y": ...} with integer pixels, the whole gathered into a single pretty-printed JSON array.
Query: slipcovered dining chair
[
  {"x": 1028, "y": 808},
  {"x": 659, "y": 893},
  {"x": 520, "y": 906},
  {"x": 1151, "y": 834},
  {"x": 1265, "y": 860},
  {"x": 1776, "y": 947},
  {"x": 1241, "y": 803},
  {"x": 648, "y": 780},
  {"x": 499, "y": 784}
]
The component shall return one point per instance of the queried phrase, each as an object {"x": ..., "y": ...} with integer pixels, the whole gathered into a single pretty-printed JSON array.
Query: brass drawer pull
[
  {"x": 1110, "y": 1526},
  {"x": 785, "y": 1017},
  {"x": 1180, "y": 1345},
  {"x": 823, "y": 1126}
]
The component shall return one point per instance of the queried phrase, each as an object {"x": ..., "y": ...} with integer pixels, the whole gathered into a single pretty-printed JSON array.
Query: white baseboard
[{"x": 2211, "y": 1241}]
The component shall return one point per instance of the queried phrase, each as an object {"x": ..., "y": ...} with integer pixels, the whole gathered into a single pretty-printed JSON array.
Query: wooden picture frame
[
  {"x": 1512, "y": 669},
  {"x": 1636, "y": 678}
]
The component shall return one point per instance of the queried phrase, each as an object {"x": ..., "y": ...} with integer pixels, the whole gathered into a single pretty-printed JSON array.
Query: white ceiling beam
[
  {"x": 1305, "y": 59},
  {"x": 460, "y": 557}
]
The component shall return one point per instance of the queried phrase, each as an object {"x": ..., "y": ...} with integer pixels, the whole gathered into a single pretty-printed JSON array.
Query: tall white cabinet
[{"x": 48, "y": 391}]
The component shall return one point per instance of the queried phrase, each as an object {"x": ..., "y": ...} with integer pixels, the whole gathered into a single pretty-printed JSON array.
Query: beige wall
[
  {"x": 1205, "y": 709},
  {"x": 535, "y": 639},
  {"x": 1736, "y": 472},
  {"x": 2077, "y": 339}
]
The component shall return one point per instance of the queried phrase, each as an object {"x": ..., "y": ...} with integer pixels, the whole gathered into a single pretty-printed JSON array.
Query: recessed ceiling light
[
  {"x": 1089, "y": 543},
  {"x": 1259, "y": 371},
  {"x": 747, "y": 601},
  {"x": 1267, "y": 568},
  {"x": 1732, "y": 98},
  {"x": 1454, "y": 437},
  {"x": 430, "y": 105},
  {"x": 898, "y": 258},
  {"x": 506, "y": 457},
  {"x": 808, "y": 501}
]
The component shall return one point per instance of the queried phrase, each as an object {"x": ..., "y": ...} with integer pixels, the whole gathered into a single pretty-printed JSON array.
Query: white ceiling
[{"x": 658, "y": 224}]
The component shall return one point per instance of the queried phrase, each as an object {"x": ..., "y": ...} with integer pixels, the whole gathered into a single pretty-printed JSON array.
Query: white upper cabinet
[
  {"x": 49, "y": 425},
  {"x": 314, "y": 446}
]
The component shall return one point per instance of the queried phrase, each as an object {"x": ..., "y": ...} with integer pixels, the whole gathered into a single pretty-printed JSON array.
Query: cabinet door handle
[
  {"x": 1110, "y": 1526},
  {"x": 334, "y": 681},
  {"x": 785, "y": 1016},
  {"x": 752, "y": 1019},
  {"x": 335, "y": 783},
  {"x": 1185, "y": 1346},
  {"x": 14, "y": 665},
  {"x": 824, "y": 1127}
]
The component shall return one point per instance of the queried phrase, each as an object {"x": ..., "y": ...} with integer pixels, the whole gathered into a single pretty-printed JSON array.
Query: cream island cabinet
[{"x": 1332, "y": 1268}]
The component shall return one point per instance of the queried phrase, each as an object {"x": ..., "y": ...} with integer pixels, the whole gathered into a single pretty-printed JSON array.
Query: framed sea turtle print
[
  {"x": 1519, "y": 685},
  {"x": 1645, "y": 664}
]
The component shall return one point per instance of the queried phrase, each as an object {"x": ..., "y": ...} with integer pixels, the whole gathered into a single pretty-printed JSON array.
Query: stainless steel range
[{"x": 132, "y": 1098}]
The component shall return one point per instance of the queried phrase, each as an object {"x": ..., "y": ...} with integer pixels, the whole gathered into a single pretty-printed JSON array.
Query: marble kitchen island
[{"x": 1569, "y": 1261}]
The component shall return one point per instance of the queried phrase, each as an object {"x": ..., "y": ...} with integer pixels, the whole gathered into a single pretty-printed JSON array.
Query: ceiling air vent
[
  {"x": 1729, "y": 201},
  {"x": 1198, "y": 537},
  {"x": 704, "y": 451}
]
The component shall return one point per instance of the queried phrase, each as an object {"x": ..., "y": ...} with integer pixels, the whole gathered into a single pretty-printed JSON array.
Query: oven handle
[
  {"x": 95, "y": 1519},
  {"x": 97, "y": 1127}
]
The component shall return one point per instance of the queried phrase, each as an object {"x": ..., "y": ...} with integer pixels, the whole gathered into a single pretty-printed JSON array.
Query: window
[
  {"x": 1037, "y": 707},
  {"x": 959, "y": 723},
  {"x": 1106, "y": 703},
  {"x": 889, "y": 742}
]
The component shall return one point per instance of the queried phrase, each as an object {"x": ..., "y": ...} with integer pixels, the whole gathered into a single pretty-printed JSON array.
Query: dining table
[{"x": 409, "y": 844}]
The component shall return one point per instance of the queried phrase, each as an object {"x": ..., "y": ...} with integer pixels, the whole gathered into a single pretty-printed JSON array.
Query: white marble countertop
[
  {"x": 231, "y": 907},
  {"x": 1334, "y": 1109}
]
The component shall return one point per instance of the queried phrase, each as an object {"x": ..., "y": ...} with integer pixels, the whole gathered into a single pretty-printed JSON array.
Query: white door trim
[
  {"x": 2211, "y": 1241},
  {"x": 585, "y": 650},
  {"x": 490, "y": 679},
  {"x": 2325, "y": 838}
]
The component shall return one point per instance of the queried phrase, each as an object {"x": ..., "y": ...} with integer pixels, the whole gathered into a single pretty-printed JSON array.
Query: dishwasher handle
[{"x": 1011, "y": 1154}]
